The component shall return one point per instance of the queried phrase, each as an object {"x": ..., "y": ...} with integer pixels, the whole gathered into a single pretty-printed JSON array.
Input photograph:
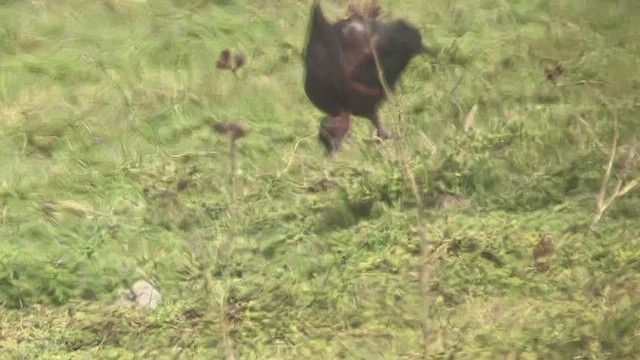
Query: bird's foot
[{"x": 382, "y": 134}]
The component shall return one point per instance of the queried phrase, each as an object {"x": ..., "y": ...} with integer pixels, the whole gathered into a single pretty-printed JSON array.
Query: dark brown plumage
[
  {"x": 341, "y": 77},
  {"x": 224, "y": 62}
]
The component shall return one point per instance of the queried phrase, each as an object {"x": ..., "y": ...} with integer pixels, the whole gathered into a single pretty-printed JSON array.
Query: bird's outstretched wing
[
  {"x": 397, "y": 43},
  {"x": 324, "y": 77}
]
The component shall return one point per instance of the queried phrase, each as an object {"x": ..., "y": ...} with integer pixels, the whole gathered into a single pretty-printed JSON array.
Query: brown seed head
[
  {"x": 224, "y": 62},
  {"x": 239, "y": 60},
  {"x": 553, "y": 73},
  {"x": 234, "y": 131}
]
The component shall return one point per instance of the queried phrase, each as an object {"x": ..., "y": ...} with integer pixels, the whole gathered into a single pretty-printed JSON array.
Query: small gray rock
[{"x": 142, "y": 294}]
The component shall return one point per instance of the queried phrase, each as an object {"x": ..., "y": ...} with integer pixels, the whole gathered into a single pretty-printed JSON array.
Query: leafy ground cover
[{"x": 110, "y": 173}]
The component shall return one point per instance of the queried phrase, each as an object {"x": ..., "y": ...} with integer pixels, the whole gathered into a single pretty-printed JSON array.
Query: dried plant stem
[
  {"x": 592, "y": 133},
  {"x": 469, "y": 119},
  {"x": 227, "y": 339},
  {"x": 423, "y": 267},
  {"x": 584, "y": 82},
  {"x": 603, "y": 203},
  {"x": 232, "y": 174},
  {"x": 186, "y": 154},
  {"x": 293, "y": 154}
]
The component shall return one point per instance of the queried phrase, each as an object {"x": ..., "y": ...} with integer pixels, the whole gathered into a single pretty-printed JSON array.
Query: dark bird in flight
[{"x": 341, "y": 75}]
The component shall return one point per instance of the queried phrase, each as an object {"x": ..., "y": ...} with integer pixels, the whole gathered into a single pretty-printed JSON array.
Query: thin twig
[
  {"x": 234, "y": 132},
  {"x": 593, "y": 134},
  {"x": 429, "y": 142},
  {"x": 455, "y": 87},
  {"x": 423, "y": 269},
  {"x": 232, "y": 175},
  {"x": 583, "y": 82},
  {"x": 293, "y": 154},
  {"x": 612, "y": 157},
  {"x": 232, "y": 196},
  {"x": 600, "y": 200},
  {"x": 469, "y": 119},
  {"x": 189, "y": 153},
  {"x": 603, "y": 203},
  {"x": 227, "y": 338}
]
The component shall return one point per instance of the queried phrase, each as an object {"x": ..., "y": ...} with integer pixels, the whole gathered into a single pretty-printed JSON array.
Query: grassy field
[{"x": 110, "y": 173}]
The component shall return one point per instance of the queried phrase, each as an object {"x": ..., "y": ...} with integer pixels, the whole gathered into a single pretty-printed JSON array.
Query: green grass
[{"x": 105, "y": 107}]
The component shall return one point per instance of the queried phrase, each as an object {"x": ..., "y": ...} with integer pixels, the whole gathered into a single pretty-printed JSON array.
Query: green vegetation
[{"x": 110, "y": 173}]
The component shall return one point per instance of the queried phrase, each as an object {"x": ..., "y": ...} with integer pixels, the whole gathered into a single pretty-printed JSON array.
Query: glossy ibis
[{"x": 341, "y": 76}]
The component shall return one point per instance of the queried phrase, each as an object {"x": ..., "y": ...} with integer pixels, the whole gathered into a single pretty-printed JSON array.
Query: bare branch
[
  {"x": 603, "y": 203},
  {"x": 423, "y": 267},
  {"x": 607, "y": 173},
  {"x": 293, "y": 154},
  {"x": 592, "y": 133},
  {"x": 470, "y": 118}
]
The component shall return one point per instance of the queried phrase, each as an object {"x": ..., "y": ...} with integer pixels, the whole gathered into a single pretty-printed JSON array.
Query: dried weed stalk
[
  {"x": 403, "y": 156},
  {"x": 225, "y": 61},
  {"x": 604, "y": 201},
  {"x": 234, "y": 132}
]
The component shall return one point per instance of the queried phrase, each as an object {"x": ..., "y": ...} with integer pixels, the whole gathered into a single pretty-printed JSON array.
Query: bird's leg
[
  {"x": 324, "y": 170},
  {"x": 348, "y": 138},
  {"x": 380, "y": 131},
  {"x": 332, "y": 130}
]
